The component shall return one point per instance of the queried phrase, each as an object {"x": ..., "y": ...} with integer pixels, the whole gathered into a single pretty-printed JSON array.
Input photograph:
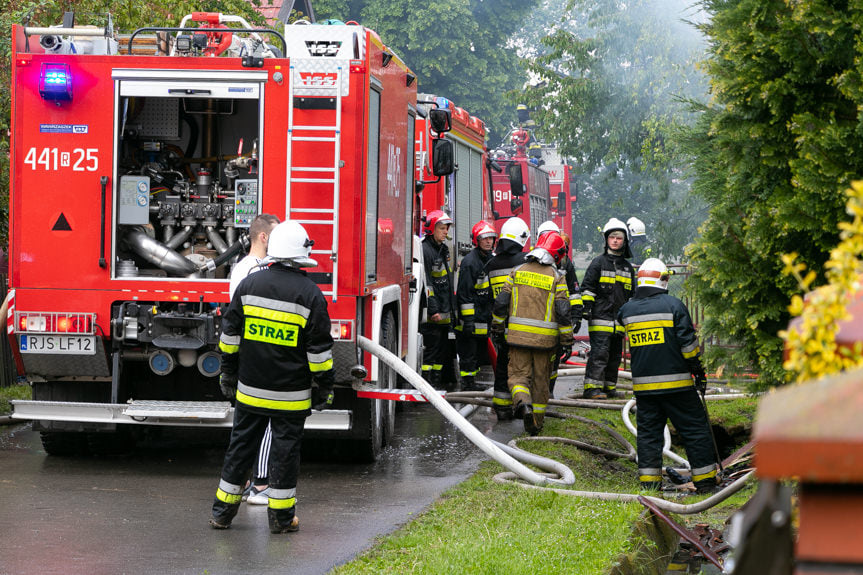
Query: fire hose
[{"x": 513, "y": 458}]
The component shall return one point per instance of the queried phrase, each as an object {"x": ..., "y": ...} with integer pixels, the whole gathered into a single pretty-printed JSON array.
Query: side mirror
[
  {"x": 516, "y": 182},
  {"x": 561, "y": 203},
  {"x": 515, "y": 206},
  {"x": 440, "y": 120},
  {"x": 443, "y": 157}
]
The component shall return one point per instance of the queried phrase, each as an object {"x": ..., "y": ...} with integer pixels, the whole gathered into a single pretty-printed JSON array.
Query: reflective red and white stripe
[
  {"x": 10, "y": 313},
  {"x": 395, "y": 394}
]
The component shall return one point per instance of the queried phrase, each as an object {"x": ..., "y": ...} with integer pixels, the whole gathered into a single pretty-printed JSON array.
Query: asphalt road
[{"x": 147, "y": 512}]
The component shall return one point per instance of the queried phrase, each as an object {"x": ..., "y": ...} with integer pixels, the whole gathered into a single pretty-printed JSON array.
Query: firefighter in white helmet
[
  {"x": 438, "y": 316},
  {"x": 637, "y": 240},
  {"x": 275, "y": 341},
  {"x": 608, "y": 283},
  {"x": 665, "y": 359},
  {"x": 533, "y": 310},
  {"x": 508, "y": 254},
  {"x": 474, "y": 305}
]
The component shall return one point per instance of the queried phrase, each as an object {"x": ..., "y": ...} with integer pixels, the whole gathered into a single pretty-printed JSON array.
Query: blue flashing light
[
  {"x": 442, "y": 102},
  {"x": 55, "y": 83}
]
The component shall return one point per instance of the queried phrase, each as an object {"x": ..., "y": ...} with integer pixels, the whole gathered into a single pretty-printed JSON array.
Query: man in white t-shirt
[{"x": 259, "y": 233}]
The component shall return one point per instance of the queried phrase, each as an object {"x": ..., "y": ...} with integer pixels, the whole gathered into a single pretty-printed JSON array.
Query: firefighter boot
[
  {"x": 223, "y": 514},
  {"x": 468, "y": 383},
  {"x": 710, "y": 485},
  {"x": 610, "y": 392},
  {"x": 435, "y": 378},
  {"x": 593, "y": 393},
  {"x": 283, "y": 520},
  {"x": 524, "y": 411}
]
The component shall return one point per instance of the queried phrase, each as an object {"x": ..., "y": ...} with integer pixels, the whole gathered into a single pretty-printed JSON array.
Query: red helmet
[
  {"x": 432, "y": 219},
  {"x": 481, "y": 230},
  {"x": 553, "y": 244}
]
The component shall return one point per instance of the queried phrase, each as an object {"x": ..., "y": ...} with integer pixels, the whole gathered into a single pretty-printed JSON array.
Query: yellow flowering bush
[{"x": 811, "y": 343}]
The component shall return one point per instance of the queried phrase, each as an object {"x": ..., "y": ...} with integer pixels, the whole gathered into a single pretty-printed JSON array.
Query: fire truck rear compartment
[{"x": 187, "y": 176}]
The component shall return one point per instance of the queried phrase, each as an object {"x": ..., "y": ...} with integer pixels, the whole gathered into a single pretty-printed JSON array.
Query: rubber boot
[
  {"x": 503, "y": 413},
  {"x": 524, "y": 411},
  {"x": 283, "y": 520},
  {"x": 710, "y": 485},
  {"x": 610, "y": 392}
]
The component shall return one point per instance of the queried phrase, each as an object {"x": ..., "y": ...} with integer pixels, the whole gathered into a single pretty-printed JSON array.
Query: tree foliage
[
  {"x": 612, "y": 78},
  {"x": 457, "y": 48},
  {"x": 773, "y": 151}
]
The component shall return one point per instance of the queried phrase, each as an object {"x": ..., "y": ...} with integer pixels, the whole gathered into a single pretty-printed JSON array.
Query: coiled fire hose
[{"x": 512, "y": 458}]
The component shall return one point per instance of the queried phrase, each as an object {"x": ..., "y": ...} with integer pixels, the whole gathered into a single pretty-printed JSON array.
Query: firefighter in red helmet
[
  {"x": 534, "y": 329},
  {"x": 474, "y": 305},
  {"x": 437, "y": 319}
]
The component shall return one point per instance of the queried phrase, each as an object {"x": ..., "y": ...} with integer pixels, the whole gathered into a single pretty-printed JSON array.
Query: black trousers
[
  {"x": 603, "y": 360},
  {"x": 502, "y": 397},
  {"x": 686, "y": 412},
  {"x": 284, "y": 464},
  {"x": 472, "y": 352},
  {"x": 435, "y": 342}
]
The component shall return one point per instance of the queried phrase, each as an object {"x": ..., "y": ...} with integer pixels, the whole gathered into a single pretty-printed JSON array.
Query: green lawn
[
  {"x": 484, "y": 527},
  {"x": 12, "y": 392}
]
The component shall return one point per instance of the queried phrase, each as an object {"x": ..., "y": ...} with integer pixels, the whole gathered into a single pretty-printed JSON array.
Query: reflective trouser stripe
[
  {"x": 649, "y": 478},
  {"x": 702, "y": 473},
  {"x": 466, "y": 373},
  {"x": 649, "y": 474},
  {"x": 592, "y": 383},
  {"x": 282, "y": 498},
  {"x": 679, "y": 384},
  {"x": 520, "y": 389},
  {"x": 229, "y": 498},
  {"x": 539, "y": 407},
  {"x": 503, "y": 398}
]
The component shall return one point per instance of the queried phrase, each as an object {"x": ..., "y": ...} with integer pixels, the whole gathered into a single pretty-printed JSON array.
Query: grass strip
[
  {"x": 483, "y": 527},
  {"x": 12, "y": 392}
]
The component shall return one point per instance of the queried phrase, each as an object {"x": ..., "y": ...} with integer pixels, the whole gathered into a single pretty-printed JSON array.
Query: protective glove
[
  {"x": 587, "y": 312},
  {"x": 322, "y": 397},
  {"x": 576, "y": 325},
  {"x": 498, "y": 337},
  {"x": 564, "y": 353},
  {"x": 700, "y": 379},
  {"x": 228, "y": 385}
]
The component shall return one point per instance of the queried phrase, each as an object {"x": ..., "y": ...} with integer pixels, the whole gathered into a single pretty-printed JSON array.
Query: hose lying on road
[{"x": 510, "y": 456}]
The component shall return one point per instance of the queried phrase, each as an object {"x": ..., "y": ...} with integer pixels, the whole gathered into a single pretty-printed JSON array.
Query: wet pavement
[{"x": 147, "y": 512}]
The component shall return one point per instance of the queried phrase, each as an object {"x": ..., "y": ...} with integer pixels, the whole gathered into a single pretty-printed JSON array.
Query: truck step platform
[{"x": 154, "y": 412}]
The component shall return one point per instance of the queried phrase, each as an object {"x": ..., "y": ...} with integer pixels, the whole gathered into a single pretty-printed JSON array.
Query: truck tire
[
  {"x": 109, "y": 443},
  {"x": 63, "y": 443},
  {"x": 388, "y": 378},
  {"x": 376, "y": 417}
]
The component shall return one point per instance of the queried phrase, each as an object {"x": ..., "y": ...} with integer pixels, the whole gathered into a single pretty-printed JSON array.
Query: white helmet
[
  {"x": 653, "y": 273},
  {"x": 636, "y": 226},
  {"x": 612, "y": 225},
  {"x": 516, "y": 230},
  {"x": 547, "y": 226},
  {"x": 289, "y": 243}
]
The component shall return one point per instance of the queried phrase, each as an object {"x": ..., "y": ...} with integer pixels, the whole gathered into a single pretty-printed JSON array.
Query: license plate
[{"x": 58, "y": 344}]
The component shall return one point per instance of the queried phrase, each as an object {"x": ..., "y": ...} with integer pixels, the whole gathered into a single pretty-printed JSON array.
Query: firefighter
[
  {"x": 637, "y": 240},
  {"x": 507, "y": 255},
  {"x": 259, "y": 231},
  {"x": 275, "y": 341},
  {"x": 474, "y": 304},
  {"x": 572, "y": 289},
  {"x": 665, "y": 359},
  {"x": 534, "y": 309},
  {"x": 437, "y": 321},
  {"x": 608, "y": 284}
]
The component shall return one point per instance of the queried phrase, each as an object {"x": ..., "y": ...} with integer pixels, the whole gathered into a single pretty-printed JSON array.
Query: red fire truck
[
  {"x": 522, "y": 188},
  {"x": 134, "y": 180},
  {"x": 562, "y": 194}
]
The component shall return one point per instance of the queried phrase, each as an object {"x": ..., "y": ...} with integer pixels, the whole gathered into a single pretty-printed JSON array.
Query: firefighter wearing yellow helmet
[
  {"x": 665, "y": 359},
  {"x": 608, "y": 284}
]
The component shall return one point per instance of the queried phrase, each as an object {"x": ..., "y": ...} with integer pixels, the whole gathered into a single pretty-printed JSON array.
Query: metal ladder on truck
[{"x": 324, "y": 95}]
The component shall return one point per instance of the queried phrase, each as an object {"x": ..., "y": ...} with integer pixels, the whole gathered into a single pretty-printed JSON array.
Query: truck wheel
[
  {"x": 63, "y": 443},
  {"x": 107, "y": 443},
  {"x": 388, "y": 378},
  {"x": 376, "y": 417}
]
